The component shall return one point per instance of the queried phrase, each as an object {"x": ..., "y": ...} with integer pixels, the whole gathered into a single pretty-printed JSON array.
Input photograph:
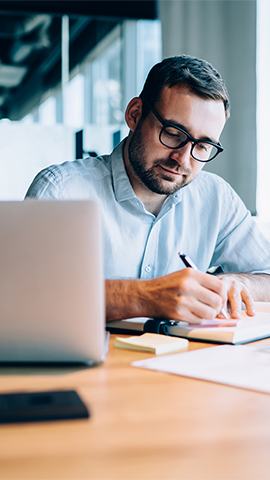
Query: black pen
[{"x": 189, "y": 263}]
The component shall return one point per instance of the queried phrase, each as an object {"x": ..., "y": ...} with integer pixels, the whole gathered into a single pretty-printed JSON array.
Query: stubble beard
[{"x": 149, "y": 177}]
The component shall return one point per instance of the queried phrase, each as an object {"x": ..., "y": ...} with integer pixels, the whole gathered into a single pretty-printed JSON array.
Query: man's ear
[{"x": 133, "y": 113}]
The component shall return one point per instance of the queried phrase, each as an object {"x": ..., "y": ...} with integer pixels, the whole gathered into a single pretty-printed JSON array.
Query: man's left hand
[{"x": 237, "y": 293}]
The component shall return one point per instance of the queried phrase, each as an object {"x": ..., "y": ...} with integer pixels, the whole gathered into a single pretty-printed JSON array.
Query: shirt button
[{"x": 148, "y": 268}]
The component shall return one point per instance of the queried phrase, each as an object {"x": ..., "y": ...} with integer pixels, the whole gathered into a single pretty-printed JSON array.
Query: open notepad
[{"x": 247, "y": 330}]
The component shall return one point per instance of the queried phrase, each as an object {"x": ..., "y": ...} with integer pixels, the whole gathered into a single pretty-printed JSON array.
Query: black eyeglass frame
[{"x": 194, "y": 141}]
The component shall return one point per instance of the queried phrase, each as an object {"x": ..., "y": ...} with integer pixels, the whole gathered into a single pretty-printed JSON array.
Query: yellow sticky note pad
[{"x": 152, "y": 342}]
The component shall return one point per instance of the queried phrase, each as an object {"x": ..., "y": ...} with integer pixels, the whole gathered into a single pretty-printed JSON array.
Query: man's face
[{"x": 160, "y": 169}]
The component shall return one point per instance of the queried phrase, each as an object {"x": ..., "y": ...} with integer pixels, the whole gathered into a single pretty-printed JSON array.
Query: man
[{"x": 155, "y": 201}]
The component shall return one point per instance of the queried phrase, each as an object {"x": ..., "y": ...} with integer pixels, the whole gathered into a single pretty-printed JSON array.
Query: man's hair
[{"x": 193, "y": 73}]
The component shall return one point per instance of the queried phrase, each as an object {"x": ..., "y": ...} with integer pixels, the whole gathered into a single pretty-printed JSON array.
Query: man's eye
[
  {"x": 204, "y": 146},
  {"x": 170, "y": 132}
]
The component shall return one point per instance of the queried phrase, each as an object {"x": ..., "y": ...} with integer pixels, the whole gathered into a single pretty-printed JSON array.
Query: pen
[{"x": 189, "y": 263}]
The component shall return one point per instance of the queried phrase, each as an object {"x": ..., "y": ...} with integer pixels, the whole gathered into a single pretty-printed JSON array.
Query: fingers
[
  {"x": 193, "y": 311},
  {"x": 189, "y": 296},
  {"x": 238, "y": 294},
  {"x": 208, "y": 292},
  {"x": 249, "y": 302}
]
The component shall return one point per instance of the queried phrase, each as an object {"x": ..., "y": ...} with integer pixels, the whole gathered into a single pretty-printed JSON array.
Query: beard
[{"x": 163, "y": 185}]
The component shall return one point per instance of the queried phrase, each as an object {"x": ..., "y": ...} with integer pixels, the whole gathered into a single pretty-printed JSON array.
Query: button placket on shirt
[{"x": 149, "y": 258}]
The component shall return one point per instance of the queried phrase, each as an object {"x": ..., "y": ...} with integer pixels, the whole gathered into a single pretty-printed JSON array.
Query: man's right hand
[{"x": 186, "y": 295}]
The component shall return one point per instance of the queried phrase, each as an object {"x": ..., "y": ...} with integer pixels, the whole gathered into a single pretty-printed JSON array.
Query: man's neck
[
  {"x": 152, "y": 201},
  {"x": 153, "y": 205}
]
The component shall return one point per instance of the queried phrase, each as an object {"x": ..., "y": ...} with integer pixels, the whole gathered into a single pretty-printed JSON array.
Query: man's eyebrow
[{"x": 179, "y": 125}]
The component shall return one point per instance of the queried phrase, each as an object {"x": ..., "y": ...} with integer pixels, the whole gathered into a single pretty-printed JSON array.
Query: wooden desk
[{"x": 144, "y": 425}]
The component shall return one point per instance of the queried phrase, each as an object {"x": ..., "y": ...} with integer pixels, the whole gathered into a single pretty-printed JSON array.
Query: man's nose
[{"x": 182, "y": 155}]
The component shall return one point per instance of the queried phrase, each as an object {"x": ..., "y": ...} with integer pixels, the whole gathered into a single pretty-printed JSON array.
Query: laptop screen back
[{"x": 52, "y": 306}]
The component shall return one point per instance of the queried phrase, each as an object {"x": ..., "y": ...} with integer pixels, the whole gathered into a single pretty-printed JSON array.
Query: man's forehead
[
  {"x": 182, "y": 106},
  {"x": 181, "y": 92}
]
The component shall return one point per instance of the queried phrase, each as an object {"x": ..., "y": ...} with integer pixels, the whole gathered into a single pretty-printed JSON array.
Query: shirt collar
[{"x": 121, "y": 183}]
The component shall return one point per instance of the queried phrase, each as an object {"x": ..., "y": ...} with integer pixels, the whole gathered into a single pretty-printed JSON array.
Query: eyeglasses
[{"x": 175, "y": 137}]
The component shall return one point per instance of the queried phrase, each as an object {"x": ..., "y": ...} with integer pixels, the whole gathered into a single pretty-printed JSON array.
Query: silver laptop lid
[{"x": 52, "y": 305}]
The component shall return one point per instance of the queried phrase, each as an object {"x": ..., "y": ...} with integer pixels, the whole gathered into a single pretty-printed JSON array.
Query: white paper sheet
[{"x": 239, "y": 366}]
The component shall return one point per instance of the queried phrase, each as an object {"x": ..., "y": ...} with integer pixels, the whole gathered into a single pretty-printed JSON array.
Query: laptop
[{"x": 52, "y": 301}]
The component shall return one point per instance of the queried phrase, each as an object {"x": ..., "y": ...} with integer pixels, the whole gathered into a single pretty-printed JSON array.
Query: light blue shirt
[{"x": 206, "y": 220}]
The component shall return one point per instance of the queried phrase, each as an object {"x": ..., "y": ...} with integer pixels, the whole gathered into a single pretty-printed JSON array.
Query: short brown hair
[{"x": 197, "y": 75}]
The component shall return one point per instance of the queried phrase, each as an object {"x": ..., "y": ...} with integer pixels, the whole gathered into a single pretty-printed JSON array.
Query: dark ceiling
[{"x": 30, "y": 43}]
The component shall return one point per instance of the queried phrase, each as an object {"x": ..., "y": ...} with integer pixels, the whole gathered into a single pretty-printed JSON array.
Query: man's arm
[{"x": 186, "y": 295}]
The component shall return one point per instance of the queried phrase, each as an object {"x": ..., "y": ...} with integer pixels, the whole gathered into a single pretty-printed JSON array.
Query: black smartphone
[{"x": 41, "y": 406}]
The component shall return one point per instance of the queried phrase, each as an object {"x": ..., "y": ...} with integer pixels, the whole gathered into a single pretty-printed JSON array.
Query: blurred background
[{"x": 69, "y": 68}]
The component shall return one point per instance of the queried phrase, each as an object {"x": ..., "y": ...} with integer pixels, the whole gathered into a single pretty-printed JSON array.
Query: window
[
  {"x": 106, "y": 86},
  {"x": 47, "y": 112},
  {"x": 94, "y": 100}
]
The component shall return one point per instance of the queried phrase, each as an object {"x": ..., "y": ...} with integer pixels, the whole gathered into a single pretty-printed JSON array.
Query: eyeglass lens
[{"x": 173, "y": 138}]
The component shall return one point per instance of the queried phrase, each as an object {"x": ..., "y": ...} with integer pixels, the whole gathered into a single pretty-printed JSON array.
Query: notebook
[
  {"x": 52, "y": 304},
  {"x": 248, "y": 329}
]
